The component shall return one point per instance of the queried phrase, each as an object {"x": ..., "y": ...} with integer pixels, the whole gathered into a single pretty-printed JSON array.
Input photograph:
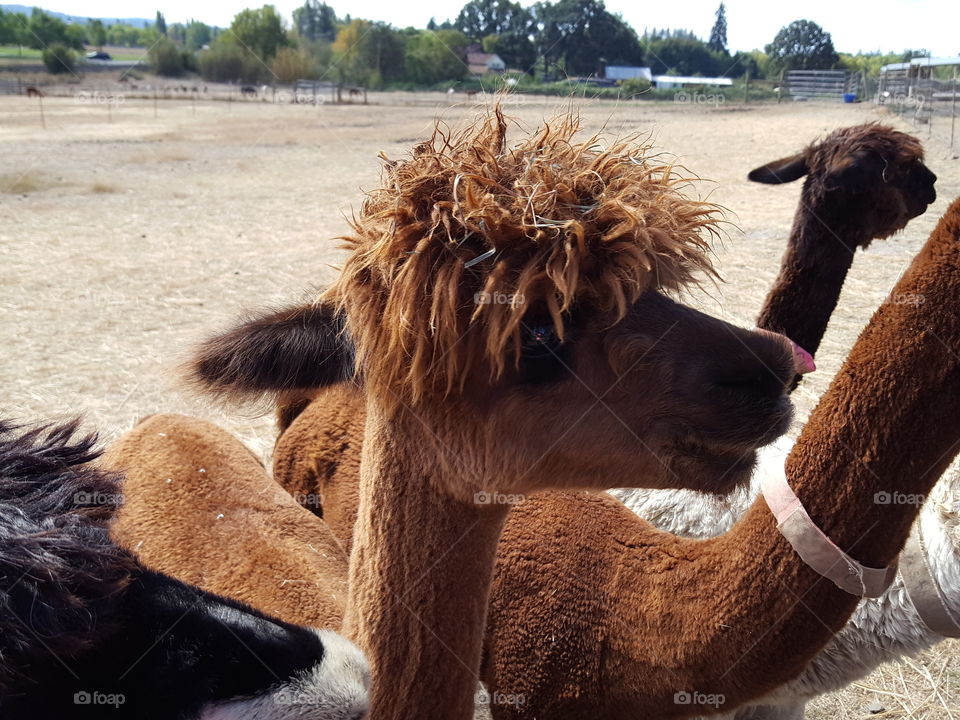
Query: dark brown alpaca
[
  {"x": 31, "y": 91},
  {"x": 862, "y": 183},
  {"x": 737, "y": 615},
  {"x": 469, "y": 398}
]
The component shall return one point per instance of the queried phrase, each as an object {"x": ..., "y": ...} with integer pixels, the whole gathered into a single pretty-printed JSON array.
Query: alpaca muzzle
[{"x": 802, "y": 360}]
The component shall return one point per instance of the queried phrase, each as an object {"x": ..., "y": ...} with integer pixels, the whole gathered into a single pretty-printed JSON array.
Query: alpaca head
[
  {"x": 869, "y": 174},
  {"x": 517, "y": 297}
]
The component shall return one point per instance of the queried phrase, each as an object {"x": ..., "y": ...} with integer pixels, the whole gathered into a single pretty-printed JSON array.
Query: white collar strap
[
  {"x": 815, "y": 548},
  {"x": 923, "y": 589}
]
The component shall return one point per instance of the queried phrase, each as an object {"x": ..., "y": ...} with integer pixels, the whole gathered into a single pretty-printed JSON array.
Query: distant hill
[{"x": 27, "y": 9}]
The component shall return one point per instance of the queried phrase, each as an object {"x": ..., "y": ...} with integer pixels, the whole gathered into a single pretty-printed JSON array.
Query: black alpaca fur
[
  {"x": 59, "y": 572},
  {"x": 88, "y": 632}
]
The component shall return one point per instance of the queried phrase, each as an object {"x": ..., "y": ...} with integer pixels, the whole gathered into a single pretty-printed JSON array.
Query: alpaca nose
[
  {"x": 924, "y": 181},
  {"x": 769, "y": 370},
  {"x": 802, "y": 360}
]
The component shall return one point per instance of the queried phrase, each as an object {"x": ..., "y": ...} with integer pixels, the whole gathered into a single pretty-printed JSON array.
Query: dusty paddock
[{"x": 124, "y": 237}]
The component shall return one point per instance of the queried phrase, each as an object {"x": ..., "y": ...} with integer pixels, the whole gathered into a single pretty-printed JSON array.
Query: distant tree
[
  {"x": 582, "y": 36},
  {"x": 8, "y": 28},
  {"x": 75, "y": 36},
  {"x": 198, "y": 34},
  {"x": 178, "y": 33},
  {"x": 227, "y": 61},
  {"x": 161, "y": 24},
  {"x": 369, "y": 53},
  {"x": 685, "y": 56},
  {"x": 432, "y": 24},
  {"x": 291, "y": 64},
  {"x": 432, "y": 57},
  {"x": 504, "y": 27},
  {"x": 718, "y": 35},
  {"x": 59, "y": 58},
  {"x": 96, "y": 34},
  {"x": 315, "y": 21},
  {"x": 259, "y": 31},
  {"x": 802, "y": 45},
  {"x": 45, "y": 30},
  {"x": 165, "y": 58},
  {"x": 124, "y": 35},
  {"x": 479, "y": 18}
]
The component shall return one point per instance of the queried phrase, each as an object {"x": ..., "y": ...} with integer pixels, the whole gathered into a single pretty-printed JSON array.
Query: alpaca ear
[
  {"x": 296, "y": 348},
  {"x": 781, "y": 171}
]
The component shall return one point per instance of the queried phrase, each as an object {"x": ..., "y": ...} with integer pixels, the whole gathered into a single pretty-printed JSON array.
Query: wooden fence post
[{"x": 953, "y": 109}]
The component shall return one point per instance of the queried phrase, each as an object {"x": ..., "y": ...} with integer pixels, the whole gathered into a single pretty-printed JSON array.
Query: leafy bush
[
  {"x": 59, "y": 59},
  {"x": 291, "y": 64},
  {"x": 165, "y": 58},
  {"x": 227, "y": 62},
  {"x": 635, "y": 86}
]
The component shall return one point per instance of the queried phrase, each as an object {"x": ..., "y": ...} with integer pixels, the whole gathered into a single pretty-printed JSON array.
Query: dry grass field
[{"x": 124, "y": 237}]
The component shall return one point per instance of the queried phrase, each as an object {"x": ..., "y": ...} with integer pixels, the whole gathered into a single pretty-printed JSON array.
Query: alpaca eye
[{"x": 539, "y": 341}]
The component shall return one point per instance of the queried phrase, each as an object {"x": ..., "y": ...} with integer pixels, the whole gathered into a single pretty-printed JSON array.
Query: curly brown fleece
[{"x": 554, "y": 221}]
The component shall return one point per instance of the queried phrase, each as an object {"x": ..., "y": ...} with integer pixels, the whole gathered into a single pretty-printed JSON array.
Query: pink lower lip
[{"x": 802, "y": 360}]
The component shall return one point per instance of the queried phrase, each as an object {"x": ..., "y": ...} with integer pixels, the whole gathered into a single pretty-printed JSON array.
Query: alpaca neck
[
  {"x": 814, "y": 267},
  {"x": 887, "y": 428},
  {"x": 420, "y": 575}
]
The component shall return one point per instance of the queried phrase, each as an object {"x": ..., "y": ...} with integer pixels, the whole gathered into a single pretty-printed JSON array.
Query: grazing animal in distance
[
  {"x": 248, "y": 91},
  {"x": 32, "y": 91},
  {"x": 464, "y": 220},
  {"x": 87, "y": 631}
]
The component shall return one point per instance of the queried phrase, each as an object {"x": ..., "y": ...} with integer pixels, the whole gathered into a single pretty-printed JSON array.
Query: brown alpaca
[
  {"x": 320, "y": 453},
  {"x": 186, "y": 478},
  {"x": 498, "y": 299},
  {"x": 636, "y": 616},
  {"x": 31, "y": 91},
  {"x": 862, "y": 183}
]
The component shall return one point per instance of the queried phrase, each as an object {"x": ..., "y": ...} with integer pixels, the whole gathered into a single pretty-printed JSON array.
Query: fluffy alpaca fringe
[
  {"x": 548, "y": 226},
  {"x": 58, "y": 568}
]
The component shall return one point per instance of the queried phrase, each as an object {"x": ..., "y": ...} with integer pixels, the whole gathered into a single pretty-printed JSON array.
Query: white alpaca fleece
[
  {"x": 337, "y": 688},
  {"x": 881, "y": 629}
]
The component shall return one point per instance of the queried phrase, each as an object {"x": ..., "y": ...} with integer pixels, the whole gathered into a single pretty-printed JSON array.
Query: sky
[{"x": 887, "y": 25}]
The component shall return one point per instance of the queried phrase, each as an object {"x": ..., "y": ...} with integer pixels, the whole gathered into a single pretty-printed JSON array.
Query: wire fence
[{"x": 928, "y": 99}]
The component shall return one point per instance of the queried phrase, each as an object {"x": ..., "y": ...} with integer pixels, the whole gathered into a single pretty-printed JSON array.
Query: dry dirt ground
[{"x": 126, "y": 234}]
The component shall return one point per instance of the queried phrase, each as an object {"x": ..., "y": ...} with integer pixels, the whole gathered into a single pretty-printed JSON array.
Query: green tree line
[{"x": 548, "y": 40}]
